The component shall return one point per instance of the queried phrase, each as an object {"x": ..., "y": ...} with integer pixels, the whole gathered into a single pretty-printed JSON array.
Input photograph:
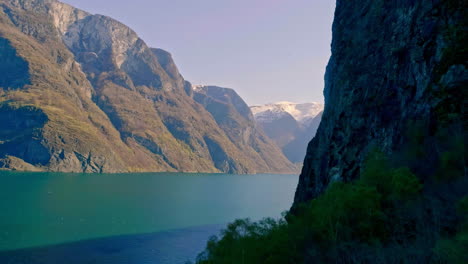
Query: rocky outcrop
[
  {"x": 110, "y": 103},
  {"x": 20, "y": 135},
  {"x": 396, "y": 82}
]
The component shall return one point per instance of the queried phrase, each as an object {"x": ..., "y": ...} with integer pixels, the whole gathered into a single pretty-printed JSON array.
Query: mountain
[
  {"x": 302, "y": 113},
  {"x": 385, "y": 178},
  {"x": 396, "y": 83},
  {"x": 234, "y": 117},
  {"x": 83, "y": 93},
  {"x": 295, "y": 150},
  {"x": 290, "y": 125}
]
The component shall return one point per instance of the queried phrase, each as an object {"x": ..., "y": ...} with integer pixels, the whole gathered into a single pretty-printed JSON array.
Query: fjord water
[{"x": 40, "y": 209}]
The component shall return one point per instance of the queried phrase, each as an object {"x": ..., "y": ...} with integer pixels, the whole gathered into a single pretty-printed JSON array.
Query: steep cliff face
[
  {"x": 396, "y": 82},
  {"x": 90, "y": 95}
]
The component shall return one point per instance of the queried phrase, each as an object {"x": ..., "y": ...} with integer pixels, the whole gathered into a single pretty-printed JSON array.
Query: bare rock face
[
  {"x": 91, "y": 96},
  {"x": 396, "y": 81},
  {"x": 102, "y": 44}
]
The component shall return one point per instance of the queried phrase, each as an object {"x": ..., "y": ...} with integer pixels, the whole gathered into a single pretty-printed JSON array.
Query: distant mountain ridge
[
  {"x": 290, "y": 125},
  {"x": 301, "y": 112},
  {"x": 84, "y": 93}
]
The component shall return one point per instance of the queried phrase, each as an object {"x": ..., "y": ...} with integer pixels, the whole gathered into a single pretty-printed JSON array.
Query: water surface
[{"x": 44, "y": 209}]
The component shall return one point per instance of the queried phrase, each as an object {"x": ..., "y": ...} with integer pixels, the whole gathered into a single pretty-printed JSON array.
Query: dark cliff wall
[{"x": 396, "y": 82}]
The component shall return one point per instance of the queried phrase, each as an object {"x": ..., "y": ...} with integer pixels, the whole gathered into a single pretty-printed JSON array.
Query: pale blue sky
[{"x": 267, "y": 50}]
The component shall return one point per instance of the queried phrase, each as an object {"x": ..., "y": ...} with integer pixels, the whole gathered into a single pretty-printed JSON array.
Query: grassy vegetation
[{"x": 386, "y": 216}]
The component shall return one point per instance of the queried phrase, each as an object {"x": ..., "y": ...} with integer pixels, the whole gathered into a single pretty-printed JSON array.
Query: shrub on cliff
[
  {"x": 383, "y": 217},
  {"x": 345, "y": 212}
]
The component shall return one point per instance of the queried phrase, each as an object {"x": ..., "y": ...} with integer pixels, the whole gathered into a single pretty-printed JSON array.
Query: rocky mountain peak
[
  {"x": 88, "y": 95},
  {"x": 102, "y": 36},
  {"x": 226, "y": 95},
  {"x": 65, "y": 15}
]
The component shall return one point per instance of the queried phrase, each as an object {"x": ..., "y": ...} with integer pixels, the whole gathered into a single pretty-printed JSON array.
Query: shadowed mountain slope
[{"x": 290, "y": 125}]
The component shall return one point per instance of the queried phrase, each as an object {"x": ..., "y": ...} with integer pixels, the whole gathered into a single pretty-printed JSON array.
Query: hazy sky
[{"x": 267, "y": 50}]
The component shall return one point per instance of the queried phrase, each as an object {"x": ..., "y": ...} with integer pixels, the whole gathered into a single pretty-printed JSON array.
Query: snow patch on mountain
[
  {"x": 303, "y": 113},
  {"x": 270, "y": 115}
]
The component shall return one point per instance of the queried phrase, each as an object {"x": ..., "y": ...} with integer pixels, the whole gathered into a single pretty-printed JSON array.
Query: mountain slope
[
  {"x": 290, "y": 125},
  {"x": 234, "y": 116},
  {"x": 295, "y": 150},
  {"x": 86, "y": 94}
]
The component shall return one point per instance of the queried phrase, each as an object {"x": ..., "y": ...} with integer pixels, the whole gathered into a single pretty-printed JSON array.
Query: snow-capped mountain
[
  {"x": 302, "y": 113},
  {"x": 290, "y": 125}
]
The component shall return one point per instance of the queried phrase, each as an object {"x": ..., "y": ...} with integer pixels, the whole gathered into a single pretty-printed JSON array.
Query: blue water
[{"x": 127, "y": 218}]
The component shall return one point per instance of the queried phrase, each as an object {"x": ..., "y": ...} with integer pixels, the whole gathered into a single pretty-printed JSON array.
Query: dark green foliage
[
  {"x": 450, "y": 165},
  {"x": 404, "y": 184},
  {"x": 381, "y": 218},
  {"x": 376, "y": 172},
  {"x": 416, "y": 135},
  {"x": 433, "y": 149},
  {"x": 463, "y": 207},
  {"x": 454, "y": 249},
  {"x": 393, "y": 184},
  {"x": 346, "y": 211},
  {"x": 452, "y": 159},
  {"x": 252, "y": 242}
]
